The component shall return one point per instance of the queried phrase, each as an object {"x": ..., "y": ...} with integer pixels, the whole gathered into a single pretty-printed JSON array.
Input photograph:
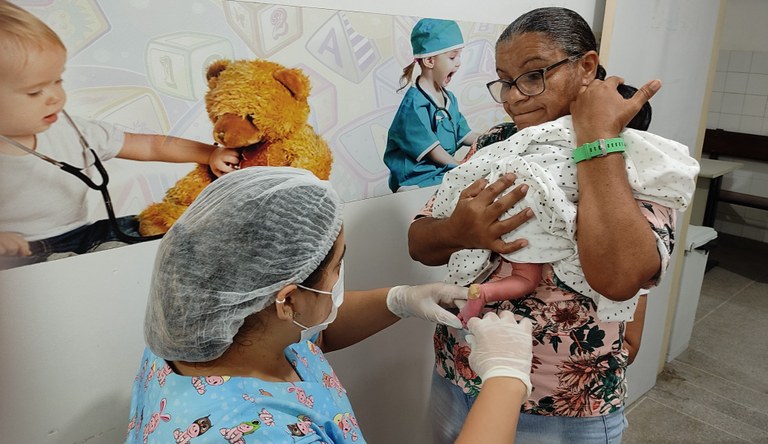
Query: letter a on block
[{"x": 338, "y": 46}]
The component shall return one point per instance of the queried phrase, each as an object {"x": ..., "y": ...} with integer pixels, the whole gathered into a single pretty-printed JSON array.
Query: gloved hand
[
  {"x": 501, "y": 347},
  {"x": 423, "y": 301}
]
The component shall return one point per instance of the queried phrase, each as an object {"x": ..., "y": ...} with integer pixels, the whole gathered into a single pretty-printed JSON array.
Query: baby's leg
[
  {"x": 523, "y": 280},
  {"x": 474, "y": 305}
]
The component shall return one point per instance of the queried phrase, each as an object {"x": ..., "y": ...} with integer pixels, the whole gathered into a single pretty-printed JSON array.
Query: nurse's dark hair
[{"x": 573, "y": 35}]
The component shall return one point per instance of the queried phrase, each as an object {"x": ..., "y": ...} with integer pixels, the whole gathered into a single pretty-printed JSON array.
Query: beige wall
[{"x": 746, "y": 25}]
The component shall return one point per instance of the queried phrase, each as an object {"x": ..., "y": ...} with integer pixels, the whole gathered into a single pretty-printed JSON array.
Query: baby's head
[
  {"x": 32, "y": 58},
  {"x": 437, "y": 46},
  {"x": 21, "y": 33}
]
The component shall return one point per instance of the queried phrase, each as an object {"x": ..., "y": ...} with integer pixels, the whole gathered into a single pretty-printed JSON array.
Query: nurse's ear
[{"x": 284, "y": 303}]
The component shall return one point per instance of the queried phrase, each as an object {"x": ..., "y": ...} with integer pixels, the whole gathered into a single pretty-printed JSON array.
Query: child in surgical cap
[
  {"x": 428, "y": 128},
  {"x": 244, "y": 292}
]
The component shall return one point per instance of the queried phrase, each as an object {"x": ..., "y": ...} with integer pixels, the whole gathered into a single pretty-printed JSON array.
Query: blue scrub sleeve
[
  {"x": 415, "y": 136},
  {"x": 464, "y": 128},
  {"x": 462, "y": 125}
]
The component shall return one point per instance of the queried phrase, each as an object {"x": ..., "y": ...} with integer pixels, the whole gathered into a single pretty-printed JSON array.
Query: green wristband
[{"x": 598, "y": 148}]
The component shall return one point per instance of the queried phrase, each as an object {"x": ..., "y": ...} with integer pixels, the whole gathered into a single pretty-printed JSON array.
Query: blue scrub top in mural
[
  {"x": 416, "y": 129},
  {"x": 170, "y": 408}
]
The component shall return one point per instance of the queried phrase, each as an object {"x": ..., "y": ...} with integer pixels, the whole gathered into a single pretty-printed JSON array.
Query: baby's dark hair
[
  {"x": 642, "y": 119},
  {"x": 572, "y": 33}
]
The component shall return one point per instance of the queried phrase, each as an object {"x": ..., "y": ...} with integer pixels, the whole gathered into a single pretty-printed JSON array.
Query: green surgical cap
[{"x": 434, "y": 36}]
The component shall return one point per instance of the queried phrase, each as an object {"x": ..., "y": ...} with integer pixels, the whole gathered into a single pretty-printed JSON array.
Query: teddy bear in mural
[{"x": 261, "y": 108}]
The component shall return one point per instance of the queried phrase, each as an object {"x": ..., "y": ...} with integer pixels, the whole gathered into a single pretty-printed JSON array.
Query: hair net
[{"x": 247, "y": 235}]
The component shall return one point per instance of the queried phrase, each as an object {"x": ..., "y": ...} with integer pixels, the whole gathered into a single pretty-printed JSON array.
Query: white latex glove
[
  {"x": 501, "y": 347},
  {"x": 423, "y": 301}
]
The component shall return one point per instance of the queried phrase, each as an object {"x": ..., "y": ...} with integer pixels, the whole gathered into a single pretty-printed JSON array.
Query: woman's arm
[
  {"x": 634, "y": 331},
  {"x": 474, "y": 223},
  {"x": 617, "y": 248},
  {"x": 493, "y": 417}
]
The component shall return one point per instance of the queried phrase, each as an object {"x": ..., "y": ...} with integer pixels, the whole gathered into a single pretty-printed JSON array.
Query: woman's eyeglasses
[{"x": 529, "y": 83}]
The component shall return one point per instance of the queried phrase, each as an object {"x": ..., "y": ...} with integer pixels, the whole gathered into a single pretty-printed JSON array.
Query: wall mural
[{"x": 141, "y": 64}]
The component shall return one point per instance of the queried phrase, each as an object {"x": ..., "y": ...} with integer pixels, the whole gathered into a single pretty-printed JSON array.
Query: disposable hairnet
[{"x": 247, "y": 235}]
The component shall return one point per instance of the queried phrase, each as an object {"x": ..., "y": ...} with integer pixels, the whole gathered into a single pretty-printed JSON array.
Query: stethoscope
[
  {"x": 435, "y": 118},
  {"x": 78, "y": 172}
]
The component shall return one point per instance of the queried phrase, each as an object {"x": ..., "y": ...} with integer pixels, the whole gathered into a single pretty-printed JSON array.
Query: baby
[{"x": 43, "y": 209}]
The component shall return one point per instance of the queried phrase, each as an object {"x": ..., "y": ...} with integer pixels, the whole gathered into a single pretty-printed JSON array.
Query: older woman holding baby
[{"x": 548, "y": 69}]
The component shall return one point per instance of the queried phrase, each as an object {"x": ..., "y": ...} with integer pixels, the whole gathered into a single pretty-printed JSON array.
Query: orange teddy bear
[{"x": 261, "y": 108}]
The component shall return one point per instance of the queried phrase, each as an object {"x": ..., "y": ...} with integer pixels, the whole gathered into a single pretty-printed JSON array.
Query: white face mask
[{"x": 337, "y": 296}]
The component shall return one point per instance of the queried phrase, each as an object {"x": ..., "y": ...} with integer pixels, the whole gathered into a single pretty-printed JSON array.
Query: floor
[{"x": 717, "y": 390}]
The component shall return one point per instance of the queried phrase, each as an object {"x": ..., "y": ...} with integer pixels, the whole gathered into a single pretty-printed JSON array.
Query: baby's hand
[
  {"x": 223, "y": 161},
  {"x": 11, "y": 244}
]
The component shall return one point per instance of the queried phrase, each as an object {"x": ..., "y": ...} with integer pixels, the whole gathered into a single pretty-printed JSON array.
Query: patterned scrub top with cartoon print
[
  {"x": 170, "y": 408},
  {"x": 579, "y": 363}
]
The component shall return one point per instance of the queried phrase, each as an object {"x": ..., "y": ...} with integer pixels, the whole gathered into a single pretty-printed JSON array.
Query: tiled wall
[{"x": 739, "y": 103}]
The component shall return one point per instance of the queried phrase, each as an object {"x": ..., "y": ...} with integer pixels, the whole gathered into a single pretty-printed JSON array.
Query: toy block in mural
[
  {"x": 358, "y": 149},
  {"x": 264, "y": 28},
  {"x": 401, "y": 39},
  {"x": 77, "y": 22},
  {"x": 176, "y": 63},
  {"x": 133, "y": 108},
  {"x": 323, "y": 105},
  {"x": 338, "y": 46},
  {"x": 385, "y": 83}
]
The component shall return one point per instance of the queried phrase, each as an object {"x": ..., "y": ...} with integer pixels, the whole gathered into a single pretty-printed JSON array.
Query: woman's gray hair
[
  {"x": 563, "y": 26},
  {"x": 572, "y": 34}
]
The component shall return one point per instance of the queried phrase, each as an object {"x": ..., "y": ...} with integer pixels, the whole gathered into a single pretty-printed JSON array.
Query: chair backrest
[{"x": 718, "y": 142}]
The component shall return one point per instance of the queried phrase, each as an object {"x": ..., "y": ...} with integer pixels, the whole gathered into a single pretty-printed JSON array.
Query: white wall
[
  {"x": 71, "y": 339},
  {"x": 744, "y": 27},
  {"x": 486, "y": 11},
  {"x": 671, "y": 41}
]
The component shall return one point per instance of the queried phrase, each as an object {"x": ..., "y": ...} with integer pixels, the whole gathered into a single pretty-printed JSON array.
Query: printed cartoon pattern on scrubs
[
  {"x": 167, "y": 407},
  {"x": 417, "y": 128}
]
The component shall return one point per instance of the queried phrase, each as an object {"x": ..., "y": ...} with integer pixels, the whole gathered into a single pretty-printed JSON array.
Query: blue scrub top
[
  {"x": 417, "y": 128},
  {"x": 167, "y": 407}
]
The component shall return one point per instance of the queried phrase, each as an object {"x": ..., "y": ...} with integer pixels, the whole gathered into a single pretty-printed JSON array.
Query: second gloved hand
[
  {"x": 424, "y": 301},
  {"x": 501, "y": 347}
]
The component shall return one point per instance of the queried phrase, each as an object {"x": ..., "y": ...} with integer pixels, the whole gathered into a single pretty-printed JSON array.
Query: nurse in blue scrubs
[
  {"x": 240, "y": 314},
  {"x": 428, "y": 128}
]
